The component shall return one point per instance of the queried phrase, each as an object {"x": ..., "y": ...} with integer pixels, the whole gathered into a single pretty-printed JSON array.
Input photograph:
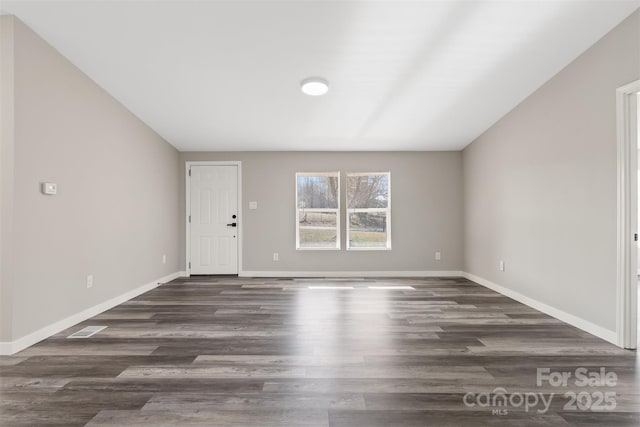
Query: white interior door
[{"x": 214, "y": 219}]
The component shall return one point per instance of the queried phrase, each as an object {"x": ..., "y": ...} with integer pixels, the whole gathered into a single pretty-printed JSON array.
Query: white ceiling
[{"x": 224, "y": 75}]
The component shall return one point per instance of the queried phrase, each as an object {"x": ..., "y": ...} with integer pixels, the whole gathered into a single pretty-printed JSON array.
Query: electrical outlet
[
  {"x": 437, "y": 256},
  {"x": 501, "y": 265},
  {"x": 90, "y": 281},
  {"x": 164, "y": 259},
  {"x": 276, "y": 256},
  {"x": 49, "y": 188}
]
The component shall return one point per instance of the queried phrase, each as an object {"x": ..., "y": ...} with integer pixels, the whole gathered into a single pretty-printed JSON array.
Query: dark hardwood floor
[{"x": 267, "y": 352}]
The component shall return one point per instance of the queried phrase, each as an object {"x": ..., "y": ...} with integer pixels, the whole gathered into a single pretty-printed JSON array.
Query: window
[
  {"x": 318, "y": 210},
  {"x": 369, "y": 211}
]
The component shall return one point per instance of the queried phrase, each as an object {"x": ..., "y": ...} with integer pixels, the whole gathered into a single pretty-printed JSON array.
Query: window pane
[
  {"x": 367, "y": 191},
  {"x": 317, "y": 192},
  {"x": 318, "y": 204},
  {"x": 368, "y": 230},
  {"x": 318, "y": 229}
]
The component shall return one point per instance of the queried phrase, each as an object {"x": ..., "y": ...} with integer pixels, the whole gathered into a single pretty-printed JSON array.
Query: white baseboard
[
  {"x": 578, "y": 322},
  {"x": 447, "y": 273},
  {"x": 9, "y": 348}
]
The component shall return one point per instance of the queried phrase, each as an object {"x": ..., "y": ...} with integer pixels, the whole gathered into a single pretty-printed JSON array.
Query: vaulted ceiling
[{"x": 225, "y": 75}]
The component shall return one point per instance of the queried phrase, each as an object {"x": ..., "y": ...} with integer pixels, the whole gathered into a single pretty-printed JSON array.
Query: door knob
[{"x": 233, "y": 224}]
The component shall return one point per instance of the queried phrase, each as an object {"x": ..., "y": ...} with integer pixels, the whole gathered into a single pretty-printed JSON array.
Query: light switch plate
[
  {"x": 253, "y": 205},
  {"x": 49, "y": 188}
]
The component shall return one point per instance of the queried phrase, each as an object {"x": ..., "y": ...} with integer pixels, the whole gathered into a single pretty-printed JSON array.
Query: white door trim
[
  {"x": 188, "y": 165},
  {"x": 627, "y": 288}
]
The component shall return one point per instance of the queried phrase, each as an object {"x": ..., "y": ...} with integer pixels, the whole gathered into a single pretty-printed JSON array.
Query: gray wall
[
  {"x": 116, "y": 211},
  {"x": 6, "y": 174},
  {"x": 426, "y": 193},
  {"x": 540, "y": 185}
]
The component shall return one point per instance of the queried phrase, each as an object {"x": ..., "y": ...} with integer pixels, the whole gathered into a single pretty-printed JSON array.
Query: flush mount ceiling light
[{"x": 314, "y": 86}]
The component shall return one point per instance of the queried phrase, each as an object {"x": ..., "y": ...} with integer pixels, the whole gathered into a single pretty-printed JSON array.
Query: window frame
[
  {"x": 349, "y": 211},
  {"x": 336, "y": 210}
]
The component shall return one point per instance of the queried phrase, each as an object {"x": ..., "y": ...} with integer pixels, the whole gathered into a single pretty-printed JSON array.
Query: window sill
[
  {"x": 368, "y": 249},
  {"x": 318, "y": 249}
]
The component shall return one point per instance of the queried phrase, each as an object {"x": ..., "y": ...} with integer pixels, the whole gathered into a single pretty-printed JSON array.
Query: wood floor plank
[
  {"x": 252, "y": 401},
  {"x": 211, "y": 372},
  {"x": 212, "y": 418},
  {"x": 421, "y": 418}
]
